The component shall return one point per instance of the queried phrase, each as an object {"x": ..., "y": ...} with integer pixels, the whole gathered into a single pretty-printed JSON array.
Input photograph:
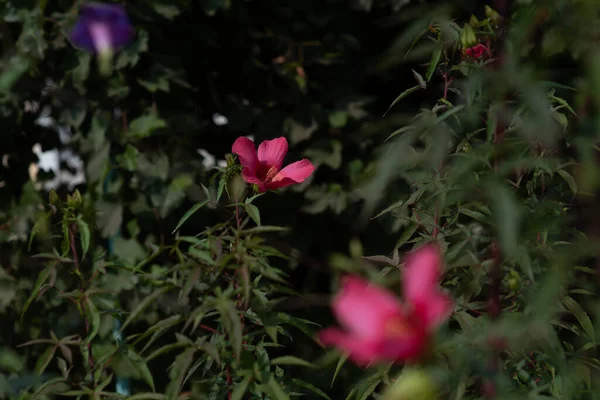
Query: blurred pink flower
[
  {"x": 377, "y": 326},
  {"x": 263, "y": 168},
  {"x": 476, "y": 51}
]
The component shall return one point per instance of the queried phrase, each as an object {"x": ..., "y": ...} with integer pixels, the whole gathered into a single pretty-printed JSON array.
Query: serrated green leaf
[
  {"x": 578, "y": 312},
  {"x": 338, "y": 367},
  {"x": 143, "y": 305},
  {"x": 189, "y": 213},
  {"x": 42, "y": 362},
  {"x": 419, "y": 79},
  {"x": 37, "y": 227},
  {"x": 291, "y": 360},
  {"x": 507, "y": 218},
  {"x": 84, "y": 236},
  {"x": 178, "y": 372},
  {"x": 275, "y": 390},
  {"x": 233, "y": 326},
  {"x": 435, "y": 59},
  {"x": 139, "y": 364},
  {"x": 240, "y": 388},
  {"x": 93, "y": 318},
  {"x": 569, "y": 179},
  {"x": 41, "y": 279},
  {"x": 401, "y": 96},
  {"x": 312, "y": 388},
  {"x": 145, "y": 125},
  {"x": 253, "y": 212}
]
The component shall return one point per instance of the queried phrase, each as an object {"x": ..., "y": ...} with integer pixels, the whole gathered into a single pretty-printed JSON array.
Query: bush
[{"x": 450, "y": 211}]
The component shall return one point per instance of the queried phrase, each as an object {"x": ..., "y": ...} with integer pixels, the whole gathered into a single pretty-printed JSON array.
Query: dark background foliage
[{"x": 322, "y": 74}]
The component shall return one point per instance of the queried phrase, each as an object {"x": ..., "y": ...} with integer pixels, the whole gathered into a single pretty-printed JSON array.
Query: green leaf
[
  {"x": 400, "y": 131},
  {"x": 178, "y": 372},
  {"x": 419, "y": 79},
  {"x": 44, "y": 360},
  {"x": 84, "y": 236},
  {"x": 291, "y": 360},
  {"x": 569, "y": 179},
  {"x": 221, "y": 187},
  {"x": 312, "y": 388},
  {"x": 168, "y": 11},
  {"x": 338, "y": 119},
  {"x": 435, "y": 59},
  {"x": 93, "y": 318},
  {"x": 143, "y": 305},
  {"x": 240, "y": 388},
  {"x": 143, "y": 126},
  {"x": 449, "y": 113},
  {"x": 253, "y": 212},
  {"x": 37, "y": 227},
  {"x": 582, "y": 317},
  {"x": 274, "y": 390},
  {"x": 401, "y": 96},
  {"x": 338, "y": 367},
  {"x": 231, "y": 321},
  {"x": 41, "y": 279},
  {"x": 109, "y": 218},
  {"x": 147, "y": 396},
  {"x": 189, "y": 213},
  {"x": 139, "y": 364},
  {"x": 176, "y": 193},
  {"x": 265, "y": 229},
  {"x": 506, "y": 214}
]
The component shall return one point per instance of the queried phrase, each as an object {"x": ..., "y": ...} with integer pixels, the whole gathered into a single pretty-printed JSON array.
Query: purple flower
[{"x": 102, "y": 28}]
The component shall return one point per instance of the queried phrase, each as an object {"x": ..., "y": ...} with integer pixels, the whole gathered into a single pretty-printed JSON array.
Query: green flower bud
[
  {"x": 413, "y": 384},
  {"x": 467, "y": 37},
  {"x": 54, "y": 199},
  {"x": 236, "y": 188},
  {"x": 492, "y": 15},
  {"x": 474, "y": 22},
  {"x": 230, "y": 160}
]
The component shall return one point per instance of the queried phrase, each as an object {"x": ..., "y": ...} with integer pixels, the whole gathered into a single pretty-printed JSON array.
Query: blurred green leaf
[{"x": 144, "y": 126}]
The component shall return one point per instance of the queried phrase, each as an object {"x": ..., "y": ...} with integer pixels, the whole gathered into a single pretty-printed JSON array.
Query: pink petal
[
  {"x": 405, "y": 347},
  {"x": 434, "y": 310},
  {"x": 421, "y": 272},
  {"x": 362, "y": 352},
  {"x": 272, "y": 152},
  {"x": 294, "y": 173},
  {"x": 246, "y": 152},
  {"x": 421, "y": 286},
  {"x": 364, "y": 309},
  {"x": 250, "y": 176}
]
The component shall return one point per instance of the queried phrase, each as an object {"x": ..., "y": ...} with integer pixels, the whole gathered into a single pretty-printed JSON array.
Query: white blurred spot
[
  {"x": 219, "y": 119},
  {"x": 50, "y": 161},
  {"x": 209, "y": 160}
]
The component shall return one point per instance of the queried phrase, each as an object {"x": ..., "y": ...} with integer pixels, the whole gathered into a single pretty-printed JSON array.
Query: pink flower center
[
  {"x": 266, "y": 173},
  {"x": 399, "y": 326}
]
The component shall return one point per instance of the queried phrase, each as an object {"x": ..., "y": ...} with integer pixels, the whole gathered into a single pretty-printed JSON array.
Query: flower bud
[
  {"x": 54, "y": 199},
  {"x": 492, "y": 15},
  {"x": 413, "y": 384},
  {"x": 467, "y": 37},
  {"x": 474, "y": 22},
  {"x": 236, "y": 188}
]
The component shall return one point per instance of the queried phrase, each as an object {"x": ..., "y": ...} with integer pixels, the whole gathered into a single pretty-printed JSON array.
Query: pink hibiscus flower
[
  {"x": 476, "y": 52},
  {"x": 263, "y": 168},
  {"x": 378, "y": 327}
]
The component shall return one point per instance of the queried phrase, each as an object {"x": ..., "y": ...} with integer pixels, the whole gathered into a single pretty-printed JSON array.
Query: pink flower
[
  {"x": 379, "y": 328},
  {"x": 264, "y": 167},
  {"x": 476, "y": 51}
]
